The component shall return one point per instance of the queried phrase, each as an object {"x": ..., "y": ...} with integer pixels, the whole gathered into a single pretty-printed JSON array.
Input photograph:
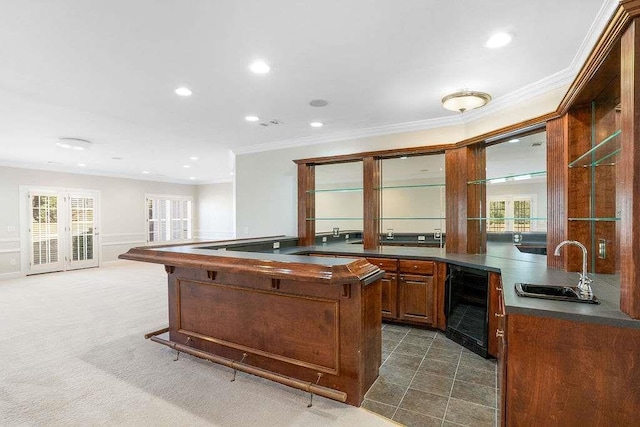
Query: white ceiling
[{"x": 106, "y": 71}]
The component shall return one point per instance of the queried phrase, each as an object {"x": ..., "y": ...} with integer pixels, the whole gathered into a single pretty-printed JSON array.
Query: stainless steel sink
[{"x": 554, "y": 292}]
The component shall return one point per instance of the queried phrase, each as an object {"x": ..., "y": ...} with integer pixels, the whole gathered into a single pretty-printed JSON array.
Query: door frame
[{"x": 64, "y": 209}]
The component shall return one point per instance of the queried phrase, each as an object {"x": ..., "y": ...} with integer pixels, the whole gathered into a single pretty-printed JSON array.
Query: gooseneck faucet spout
[{"x": 584, "y": 283}]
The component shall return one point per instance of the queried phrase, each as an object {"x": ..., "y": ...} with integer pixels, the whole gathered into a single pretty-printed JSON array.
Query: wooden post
[
  {"x": 371, "y": 200},
  {"x": 306, "y": 204}
]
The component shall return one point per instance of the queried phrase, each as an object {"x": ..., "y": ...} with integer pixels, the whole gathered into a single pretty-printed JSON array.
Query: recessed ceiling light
[
  {"x": 316, "y": 124},
  {"x": 117, "y": 158},
  {"x": 81, "y": 165},
  {"x": 145, "y": 172},
  {"x": 498, "y": 40},
  {"x": 194, "y": 158},
  {"x": 513, "y": 140},
  {"x": 318, "y": 103},
  {"x": 183, "y": 91},
  {"x": 73, "y": 143},
  {"x": 259, "y": 67},
  {"x": 192, "y": 177},
  {"x": 186, "y": 166},
  {"x": 252, "y": 118}
]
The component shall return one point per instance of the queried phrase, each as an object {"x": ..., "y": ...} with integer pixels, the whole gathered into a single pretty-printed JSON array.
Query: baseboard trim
[{"x": 12, "y": 275}]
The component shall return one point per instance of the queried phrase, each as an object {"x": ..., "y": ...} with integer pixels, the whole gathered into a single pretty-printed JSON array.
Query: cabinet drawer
[
  {"x": 387, "y": 264},
  {"x": 417, "y": 267}
]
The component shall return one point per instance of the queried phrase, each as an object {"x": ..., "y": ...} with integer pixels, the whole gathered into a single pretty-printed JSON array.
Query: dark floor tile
[
  {"x": 385, "y": 392},
  {"x": 379, "y": 408},
  {"x": 437, "y": 353},
  {"x": 396, "y": 375},
  {"x": 443, "y": 342},
  {"x": 388, "y": 345},
  {"x": 477, "y": 376},
  {"x": 416, "y": 419},
  {"x": 404, "y": 361},
  {"x": 474, "y": 361},
  {"x": 397, "y": 328},
  {"x": 431, "y": 383},
  {"x": 410, "y": 349},
  {"x": 426, "y": 333},
  {"x": 474, "y": 393},
  {"x": 423, "y": 342},
  {"x": 470, "y": 414},
  {"x": 444, "y": 368},
  {"x": 391, "y": 335},
  {"x": 424, "y": 403}
]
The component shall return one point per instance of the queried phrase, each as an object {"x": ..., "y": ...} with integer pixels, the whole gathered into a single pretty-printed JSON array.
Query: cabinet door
[
  {"x": 389, "y": 296},
  {"x": 495, "y": 312},
  {"x": 416, "y": 298}
]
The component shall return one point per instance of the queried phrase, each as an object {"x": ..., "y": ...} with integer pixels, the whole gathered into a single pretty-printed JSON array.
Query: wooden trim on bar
[
  {"x": 557, "y": 188},
  {"x": 630, "y": 172},
  {"x": 306, "y": 205},
  {"x": 371, "y": 191},
  {"x": 604, "y": 45}
]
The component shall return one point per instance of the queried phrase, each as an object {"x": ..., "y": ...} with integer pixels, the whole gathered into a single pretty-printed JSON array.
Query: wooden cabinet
[
  {"x": 415, "y": 298},
  {"x": 389, "y": 286},
  {"x": 495, "y": 314}
]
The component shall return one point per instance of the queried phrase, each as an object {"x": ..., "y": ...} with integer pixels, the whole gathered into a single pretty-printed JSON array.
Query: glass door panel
[
  {"x": 44, "y": 233},
  {"x": 82, "y": 231}
]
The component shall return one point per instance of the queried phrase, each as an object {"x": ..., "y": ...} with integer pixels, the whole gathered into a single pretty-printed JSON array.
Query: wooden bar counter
[{"x": 311, "y": 323}]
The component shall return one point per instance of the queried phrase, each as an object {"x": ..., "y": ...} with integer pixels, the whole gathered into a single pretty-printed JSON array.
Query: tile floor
[{"x": 428, "y": 380}]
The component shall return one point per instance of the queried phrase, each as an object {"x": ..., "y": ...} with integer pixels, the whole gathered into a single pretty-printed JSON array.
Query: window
[
  {"x": 169, "y": 218},
  {"x": 511, "y": 213}
]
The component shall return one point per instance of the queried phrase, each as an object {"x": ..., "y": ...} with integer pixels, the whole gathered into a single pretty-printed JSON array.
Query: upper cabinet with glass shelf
[
  {"x": 338, "y": 198},
  {"x": 412, "y": 194}
]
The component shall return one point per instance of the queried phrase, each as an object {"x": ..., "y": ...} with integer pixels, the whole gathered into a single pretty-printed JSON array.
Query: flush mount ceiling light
[
  {"x": 194, "y": 158},
  {"x": 465, "y": 100},
  {"x": 318, "y": 103},
  {"x": 498, "y": 40},
  {"x": 183, "y": 91},
  {"x": 252, "y": 118},
  {"x": 316, "y": 124},
  {"x": 259, "y": 67},
  {"x": 74, "y": 143}
]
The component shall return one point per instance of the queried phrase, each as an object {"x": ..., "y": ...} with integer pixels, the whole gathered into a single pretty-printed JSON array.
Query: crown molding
[
  {"x": 353, "y": 134},
  {"x": 557, "y": 80}
]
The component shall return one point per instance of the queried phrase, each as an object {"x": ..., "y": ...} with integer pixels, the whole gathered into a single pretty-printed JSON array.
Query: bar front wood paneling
[
  {"x": 316, "y": 322},
  {"x": 630, "y": 172}
]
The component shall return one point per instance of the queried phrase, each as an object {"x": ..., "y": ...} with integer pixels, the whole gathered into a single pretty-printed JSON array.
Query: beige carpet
[{"x": 72, "y": 353}]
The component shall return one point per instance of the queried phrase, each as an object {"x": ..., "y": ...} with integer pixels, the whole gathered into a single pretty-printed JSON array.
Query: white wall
[
  {"x": 215, "y": 211},
  {"x": 122, "y": 209},
  {"x": 266, "y": 182}
]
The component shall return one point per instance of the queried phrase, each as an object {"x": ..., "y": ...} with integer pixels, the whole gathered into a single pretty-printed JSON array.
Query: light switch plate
[
  {"x": 422, "y": 238},
  {"x": 276, "y": 245},
  {"x": 324, "y": 239},
  {"x": 346, "y": 236}
]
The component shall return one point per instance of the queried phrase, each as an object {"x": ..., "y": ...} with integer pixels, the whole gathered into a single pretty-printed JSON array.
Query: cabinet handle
[
  {"x": 499, "y": 314},
  {"x": 499, "y": 333},
  {"x": 499, "y": 288}
]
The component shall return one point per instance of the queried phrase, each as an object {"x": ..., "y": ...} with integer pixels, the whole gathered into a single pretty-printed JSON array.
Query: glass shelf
[
  {"x": 410, "y": 218},
  {"x": 334, "y": 219},
  {"x": 510, "y": 178},
  {"x": 605, "y": 150},
  {"x": 595, "y": 219},
  {"x": 336, "y": 190},
  {"x": 393, "y": 187},
  {"x": 507, "y": 219}
]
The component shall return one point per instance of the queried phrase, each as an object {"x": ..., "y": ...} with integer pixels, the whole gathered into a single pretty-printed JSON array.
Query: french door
[{"x": 62, "y": 230}]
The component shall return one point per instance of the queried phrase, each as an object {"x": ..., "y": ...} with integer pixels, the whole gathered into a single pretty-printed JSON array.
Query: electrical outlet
[
  {"x": 13, "y": 261},
  {"x": 11, "y": 229},
  {"x": 222, "y": 249},
  {"x": 324, "y": 239},
  {"x": 422, "y": 238},
  {"x": 437, "y": 233},
  {"x": 346, "y": 237},
  {"x": 276, "y": 245},
  {"x": 246, "y": 230}
]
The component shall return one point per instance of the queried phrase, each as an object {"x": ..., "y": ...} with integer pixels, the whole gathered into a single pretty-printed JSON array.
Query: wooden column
[
  {"x": 557, "y": 176},
  {"x": 465, "y": 200},
  {"x": 630, "y": 172},
  {"x": 371, "y": 200},
  {"x": 306, "y": 204}
]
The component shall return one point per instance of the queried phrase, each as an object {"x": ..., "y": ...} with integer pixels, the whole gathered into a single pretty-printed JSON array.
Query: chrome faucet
[{"x": 584, "y": 283}]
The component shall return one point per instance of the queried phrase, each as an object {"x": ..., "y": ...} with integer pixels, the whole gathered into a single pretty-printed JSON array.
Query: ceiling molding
[
  {"x": 562, "y": 78},
  {"x": 355, "y": 134}
]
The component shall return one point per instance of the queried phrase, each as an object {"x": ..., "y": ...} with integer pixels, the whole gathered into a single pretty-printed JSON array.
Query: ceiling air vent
[{"x": 271, "y": 123}]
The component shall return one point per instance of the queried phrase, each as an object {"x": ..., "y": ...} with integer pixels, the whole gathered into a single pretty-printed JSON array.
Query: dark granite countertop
[{"x": 513, "y": 265}]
